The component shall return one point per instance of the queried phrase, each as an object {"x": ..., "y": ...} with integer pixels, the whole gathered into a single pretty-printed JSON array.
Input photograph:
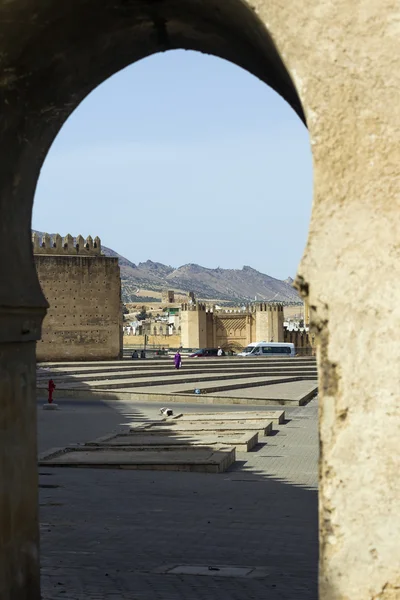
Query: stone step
[
  {"x": 243, "y": 442},
  {"x": 299, "y": 391},
  {"x": 277, "y": 416},
  {"x": 96, "y": 374},
  {"x": 231, "y": 385},
  {"x": 263, "y": 427},
  {"x": 176, "y": 385},
  {"x": 149, "y": 363},
  {"x": 266, "y": 397},
  {"x": 216, "y": 459}
]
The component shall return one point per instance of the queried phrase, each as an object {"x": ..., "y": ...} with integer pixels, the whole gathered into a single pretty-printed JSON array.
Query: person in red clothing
[{"x": 51, "y": 388}]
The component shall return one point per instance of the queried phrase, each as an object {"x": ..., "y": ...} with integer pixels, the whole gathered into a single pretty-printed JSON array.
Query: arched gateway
[{"x": 343, "y": 62}]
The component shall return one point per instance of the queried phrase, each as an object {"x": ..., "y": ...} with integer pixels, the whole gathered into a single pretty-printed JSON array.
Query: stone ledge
[
  {"x": 208, "y": 460},
  {"x": 175, "y": 398},
  {"x": 263, "y": 428},
  {"x": 277, "y": 416},
  {"x": 165, "y": 441}
]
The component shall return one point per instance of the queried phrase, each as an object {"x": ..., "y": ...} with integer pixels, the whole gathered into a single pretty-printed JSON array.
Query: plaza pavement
[
  {"x": 114, "y": 535},
  {"x": 286, "y": 381}
]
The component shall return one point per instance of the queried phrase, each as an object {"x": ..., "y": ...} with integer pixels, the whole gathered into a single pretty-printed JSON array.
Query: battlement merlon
[
  {"x": 198, "y": 306},
  {"x": 268, "y": 306},
  {"x": 55, "y": 244}
]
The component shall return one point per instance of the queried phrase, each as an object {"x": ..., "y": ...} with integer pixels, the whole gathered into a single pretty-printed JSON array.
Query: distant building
[
  {"x": 203, "y": 326},
  {"x": 168, "y": 297}
]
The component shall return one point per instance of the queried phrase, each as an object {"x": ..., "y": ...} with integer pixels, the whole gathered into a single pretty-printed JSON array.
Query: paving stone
[
  {"x": 106, "y": 533},
  {"x": 298, "y": 391},
  {"x": 213, "y": 571}
]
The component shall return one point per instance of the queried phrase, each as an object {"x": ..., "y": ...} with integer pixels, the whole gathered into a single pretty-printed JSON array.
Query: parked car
[{"x": 206, "y": 352}]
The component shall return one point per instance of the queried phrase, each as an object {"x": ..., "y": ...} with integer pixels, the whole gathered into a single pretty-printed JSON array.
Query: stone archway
[{"x": 342, "y": 58}]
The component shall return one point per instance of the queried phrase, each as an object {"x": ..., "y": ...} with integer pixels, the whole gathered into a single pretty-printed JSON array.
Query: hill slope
[{"x": 226, "y": 284}]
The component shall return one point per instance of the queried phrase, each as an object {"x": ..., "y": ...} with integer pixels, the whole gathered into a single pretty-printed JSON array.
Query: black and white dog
[{"x": 168, "y": 412}]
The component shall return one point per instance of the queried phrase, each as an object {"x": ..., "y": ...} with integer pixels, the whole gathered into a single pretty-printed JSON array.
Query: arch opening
[
  {"x": 193, "y": 136},
  {"x": 64, "y": 53},
  {"x": 56, "y": 59}
]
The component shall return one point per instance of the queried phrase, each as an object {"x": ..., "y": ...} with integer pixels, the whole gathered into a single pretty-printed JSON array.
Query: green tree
[{"x": 142, "y": 315}]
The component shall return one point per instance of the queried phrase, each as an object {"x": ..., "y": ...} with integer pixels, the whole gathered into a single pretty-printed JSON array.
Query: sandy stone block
[
  {"x": 277, "y": 416},
  {"x": 211, "y": 460}
]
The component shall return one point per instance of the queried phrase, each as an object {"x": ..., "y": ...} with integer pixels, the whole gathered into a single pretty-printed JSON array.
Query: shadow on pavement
[{"x": 109, "y": 533}]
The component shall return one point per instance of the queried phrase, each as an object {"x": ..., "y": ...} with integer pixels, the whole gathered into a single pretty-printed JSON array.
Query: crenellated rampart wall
[{"x": 83, "y": 289}]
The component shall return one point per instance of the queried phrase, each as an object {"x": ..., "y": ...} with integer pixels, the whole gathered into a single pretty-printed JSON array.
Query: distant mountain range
[
  {"x": 234, "y": 285},
  {"x": 225, "y": 284}
]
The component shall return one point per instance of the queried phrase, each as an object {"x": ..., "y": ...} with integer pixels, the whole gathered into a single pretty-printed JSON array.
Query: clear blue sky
[{"x": 183, "y": 158}]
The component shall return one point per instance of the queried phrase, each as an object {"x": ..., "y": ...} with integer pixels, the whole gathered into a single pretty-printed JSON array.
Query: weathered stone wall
[
  {"x": 231, "y": 329},
  {"x": 194, "y": 326},
  {"x": 83, "y": 321},
  {"x": 300, "y": 339},
  {"x": 19, "y": 537},
  {"x": 169, "y": 341},
  {"x": 268, "y": 322}
]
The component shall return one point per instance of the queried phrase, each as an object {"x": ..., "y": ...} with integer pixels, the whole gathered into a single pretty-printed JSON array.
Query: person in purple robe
[{"x": 177, "y": 360}]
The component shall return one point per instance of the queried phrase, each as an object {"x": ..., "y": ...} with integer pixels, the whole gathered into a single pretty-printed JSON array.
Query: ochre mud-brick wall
[{"x": 83, "y": 321}]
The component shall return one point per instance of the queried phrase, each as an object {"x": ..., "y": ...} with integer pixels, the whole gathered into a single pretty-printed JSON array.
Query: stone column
[
  {"x": 19, "y": 534},
  {"x": 22, "y": 309},
  {"x": 350, "y": 276}
]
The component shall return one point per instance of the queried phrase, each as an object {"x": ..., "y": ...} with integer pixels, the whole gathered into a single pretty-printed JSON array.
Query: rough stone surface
[
  {"x": 84, "y": 318},
  {"x": 19, "y": 531}
]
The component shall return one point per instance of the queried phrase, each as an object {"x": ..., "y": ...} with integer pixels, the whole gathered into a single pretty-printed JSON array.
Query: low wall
[{"x": 168, "y": 341}]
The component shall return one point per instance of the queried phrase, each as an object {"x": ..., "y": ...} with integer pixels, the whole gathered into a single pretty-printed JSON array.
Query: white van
[{"x": 268, "y": 349}]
